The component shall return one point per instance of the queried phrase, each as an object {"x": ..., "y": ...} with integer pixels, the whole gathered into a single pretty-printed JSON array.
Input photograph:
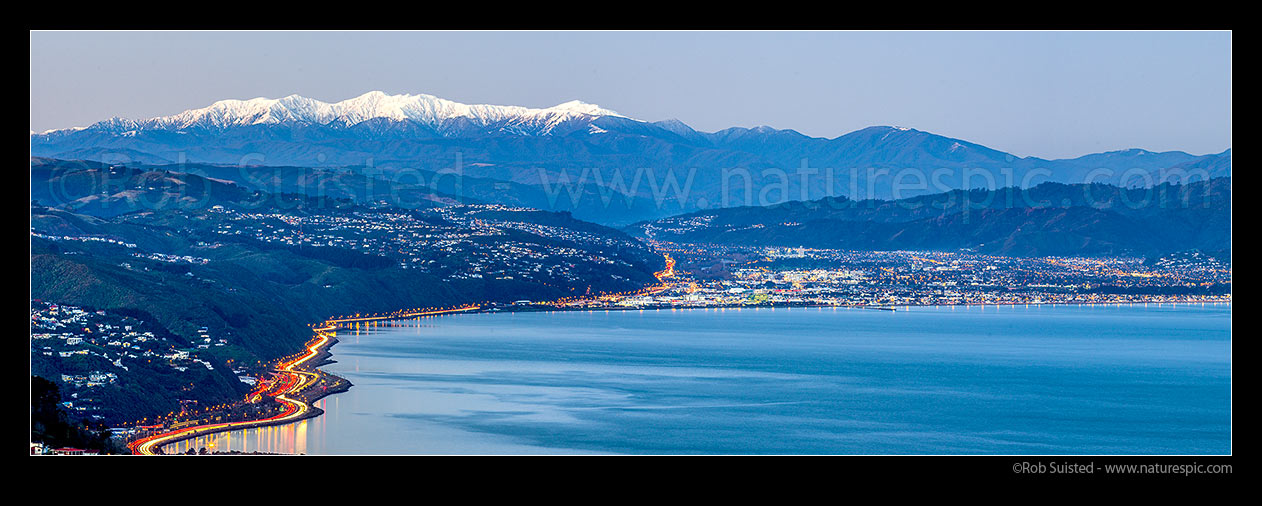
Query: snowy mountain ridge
[{"x": 424, "y": 109}]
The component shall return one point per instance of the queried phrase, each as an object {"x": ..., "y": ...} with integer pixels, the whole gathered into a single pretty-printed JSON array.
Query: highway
[
  {"x": 295, "y": 409},
  {"x": 294, "y": 377}
]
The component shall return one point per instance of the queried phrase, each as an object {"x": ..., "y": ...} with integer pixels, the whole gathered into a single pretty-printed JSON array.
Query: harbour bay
[{"x": 1131, "y": 379}]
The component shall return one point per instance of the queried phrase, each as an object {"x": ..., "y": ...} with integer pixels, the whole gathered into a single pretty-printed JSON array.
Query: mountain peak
[
  {"x": 888, "y": 129},
  {"x": 676, "y": 126},
  {"x": 580, "y": 107}
]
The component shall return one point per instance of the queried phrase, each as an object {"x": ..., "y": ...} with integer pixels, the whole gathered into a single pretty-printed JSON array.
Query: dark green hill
[{"x": 1049, "y": 219}]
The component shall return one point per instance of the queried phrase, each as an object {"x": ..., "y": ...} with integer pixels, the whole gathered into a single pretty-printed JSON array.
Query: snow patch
[{"x": 425, "y": 109}]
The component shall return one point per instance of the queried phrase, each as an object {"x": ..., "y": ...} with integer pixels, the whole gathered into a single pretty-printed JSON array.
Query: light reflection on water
[{"x": 290, "y": 439}]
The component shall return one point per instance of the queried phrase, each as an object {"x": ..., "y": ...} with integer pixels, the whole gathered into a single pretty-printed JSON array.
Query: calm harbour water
[{"x": 1139, "y": 379}]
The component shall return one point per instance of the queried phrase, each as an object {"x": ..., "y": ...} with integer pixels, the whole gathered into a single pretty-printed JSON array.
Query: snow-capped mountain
[
  {"x": 535, "y": 147},
  {"x": 424, "y": 110}
]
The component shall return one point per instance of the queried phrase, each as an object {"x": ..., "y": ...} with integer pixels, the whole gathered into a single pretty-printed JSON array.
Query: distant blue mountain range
[{"x": 592, "y": 161}]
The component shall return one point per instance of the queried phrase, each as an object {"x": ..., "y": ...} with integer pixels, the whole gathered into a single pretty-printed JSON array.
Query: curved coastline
[
  {"x": 305, "y": 373},
  {"x": 311, "y": 411}
]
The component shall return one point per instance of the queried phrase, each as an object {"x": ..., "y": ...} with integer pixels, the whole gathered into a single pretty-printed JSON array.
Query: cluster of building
[
  {"x": 62, "y": 332},
  {"x": 173, "y": 259},
  {"x": 1193, "y": 265},
  {"x": 799, "y": 276},
  {"x": 89, "y": 380},
  {"x": 496, "y": 217},
  {"x": 84, "y": 238},
  {"x": 39, "y": 448},
  {"x": 451, "y": 242}
]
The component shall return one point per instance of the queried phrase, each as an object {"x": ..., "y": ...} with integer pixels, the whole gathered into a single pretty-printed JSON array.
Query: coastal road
[
  {"x": 295, "y": 408},
  {"x": 296, "y": 377}
]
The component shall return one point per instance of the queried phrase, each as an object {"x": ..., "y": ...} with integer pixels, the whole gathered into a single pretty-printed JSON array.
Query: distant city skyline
[{"x": 1045, "y": 94}]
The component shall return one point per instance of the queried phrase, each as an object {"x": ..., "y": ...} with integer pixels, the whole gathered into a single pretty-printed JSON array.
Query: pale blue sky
[{"x": 1047, "y": 94}]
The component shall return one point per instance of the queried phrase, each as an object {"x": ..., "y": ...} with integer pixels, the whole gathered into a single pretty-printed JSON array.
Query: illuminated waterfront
[{"x": 287, "y": 439}]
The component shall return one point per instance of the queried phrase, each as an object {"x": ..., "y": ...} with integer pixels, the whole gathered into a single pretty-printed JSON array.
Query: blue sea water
[{"x": 1140, "y": 379}]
